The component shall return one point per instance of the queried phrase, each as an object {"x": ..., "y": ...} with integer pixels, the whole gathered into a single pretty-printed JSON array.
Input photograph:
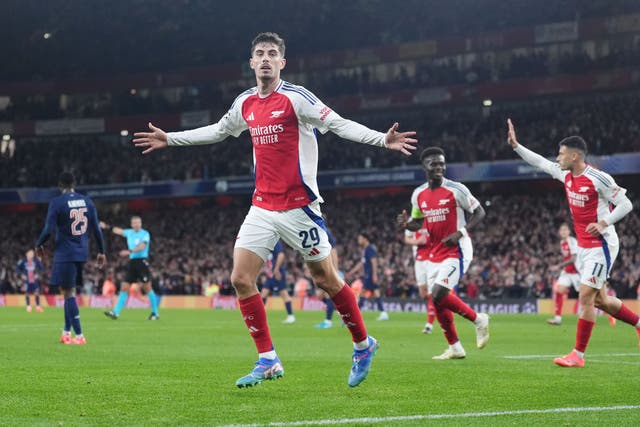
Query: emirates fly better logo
[{"x": 263, "y": 135}]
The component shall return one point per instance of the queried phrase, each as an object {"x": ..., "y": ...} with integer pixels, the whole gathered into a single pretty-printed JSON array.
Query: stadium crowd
[
  {"x": 514, "y": 246},
  {"x": 191, "y": 247},
  {"x": 327, "y": 84},
  {"x": 607, "y": 122},
  {"x": 191, "y": 33}
]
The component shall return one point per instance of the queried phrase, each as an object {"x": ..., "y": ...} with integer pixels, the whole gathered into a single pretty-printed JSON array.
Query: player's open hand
[
  {"x": 400, "y": 141},
  {"x": 511, "y": 135},
  {"x": 124, "y": 253},
  {"x": 101, "y": 260},
  {"x": 452, "y": 239},
  {"x": 402, "y": 219},
  {"x": 154, "y": 140}
]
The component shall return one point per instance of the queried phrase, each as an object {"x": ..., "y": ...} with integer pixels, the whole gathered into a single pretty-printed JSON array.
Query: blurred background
[{"x": 78, "y": 78}]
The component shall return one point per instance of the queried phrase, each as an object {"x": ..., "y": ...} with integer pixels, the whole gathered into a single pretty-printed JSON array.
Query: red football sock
[
  {"x": 445, "y": 318},
  {"x": 583, "y": 334},
  {"x": 431, "y": 310},
  {"x": 255, "y": 317},
  {"x": 559, "y": 299},
  {"x": 455, "y": 304},
  {"x": 627, "y": 316},
  {"x": 347, "y": 306}
]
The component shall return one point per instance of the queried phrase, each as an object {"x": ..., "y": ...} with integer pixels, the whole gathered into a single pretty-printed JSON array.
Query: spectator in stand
[
  {"x": 203, "y": 246},
  {"x": 607, "y": 120}
]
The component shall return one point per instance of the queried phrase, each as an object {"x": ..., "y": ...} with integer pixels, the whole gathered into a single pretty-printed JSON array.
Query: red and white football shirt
[
  {"x": 569, "y": 248},
  {"x": 285, "y": 150},
  {"x": 590, "y": 196},
  {"x": 420, "y": 252},
  {"x": 443, "y": 211}
]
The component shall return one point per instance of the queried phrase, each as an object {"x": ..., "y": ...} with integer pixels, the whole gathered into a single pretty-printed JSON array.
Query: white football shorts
[
  {"x": 569, "y": 279},
  {"x": 302, "y": 228},
  {"x": 422, "y": 273},
  {"x": 446, "y": 273},
  {"x": 594, "y": 264}
]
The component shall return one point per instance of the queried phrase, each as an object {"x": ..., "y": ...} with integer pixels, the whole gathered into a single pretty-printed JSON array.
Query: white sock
[
  {"x": 579, "y": 353},
  {"x": 66, "y": 332},
  {"x": 271, "y": 355},
  {"x": 558, "y": 318},
  {"x": 361, "y": 345}
]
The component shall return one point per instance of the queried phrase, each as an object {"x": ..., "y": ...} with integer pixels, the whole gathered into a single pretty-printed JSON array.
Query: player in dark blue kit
[
  {"x": 276, "y": 282},
  {"x": 29, "y": 269},
  {"x": 71, "y": 215},
  {"x": 369, "y": 263}
]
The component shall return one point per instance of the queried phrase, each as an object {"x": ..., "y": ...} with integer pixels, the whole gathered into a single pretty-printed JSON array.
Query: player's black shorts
[{"x": 138, "y": 271}]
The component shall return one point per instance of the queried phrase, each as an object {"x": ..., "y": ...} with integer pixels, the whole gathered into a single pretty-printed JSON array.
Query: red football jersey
[
  {"x": 285, "y": 150},
  {"x": 569, "y": 247},
  {"x": 443, "y": 211}
]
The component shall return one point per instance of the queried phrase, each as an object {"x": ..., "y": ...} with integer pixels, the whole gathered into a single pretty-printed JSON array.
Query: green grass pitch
[{"x": 181, "y": 371}]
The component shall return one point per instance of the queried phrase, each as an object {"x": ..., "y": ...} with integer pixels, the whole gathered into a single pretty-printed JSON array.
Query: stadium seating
[
  {"x": 513, "y": 247},
  {"x": 187, "y": 37},
  {"x": 607, "y": 122}
]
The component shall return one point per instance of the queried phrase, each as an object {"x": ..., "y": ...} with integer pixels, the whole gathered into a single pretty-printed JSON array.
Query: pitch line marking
[
  {"x": 380, "y": 420},
  {"x": 617, "y": 362},
  {"x": 546, "y": 356}
]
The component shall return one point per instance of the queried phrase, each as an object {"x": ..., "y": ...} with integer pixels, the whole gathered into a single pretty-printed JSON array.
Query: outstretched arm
[
  {"x": 150, "y": 141},
  {"x": 532, "y": 158},
  {"x": 115, "y": 230},
  {"x": 403, "y": 142},
  {"x": 231, "y": 123},
  {"x": 393, "y": 140},
  {"x": 312, "y": 111},
  {"x": 157, "y": 138}
]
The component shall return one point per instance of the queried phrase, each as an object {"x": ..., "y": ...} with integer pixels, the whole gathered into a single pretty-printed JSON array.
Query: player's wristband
[{"x": 464, "y": 232}]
